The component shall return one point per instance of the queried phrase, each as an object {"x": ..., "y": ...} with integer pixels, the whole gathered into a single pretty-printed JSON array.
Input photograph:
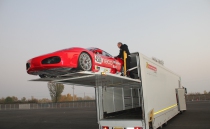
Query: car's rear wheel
[{"x": 85, "y": 62}]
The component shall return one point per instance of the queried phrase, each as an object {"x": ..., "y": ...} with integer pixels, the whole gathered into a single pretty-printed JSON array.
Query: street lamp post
[{"x": 73, "y": 92}]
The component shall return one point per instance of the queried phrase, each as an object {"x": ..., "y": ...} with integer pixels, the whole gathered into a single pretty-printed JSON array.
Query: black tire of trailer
[
  {"x": 165, "y": 123},
  {"x": 160, "y": 127},
  {"x": 150, "y": 125}
]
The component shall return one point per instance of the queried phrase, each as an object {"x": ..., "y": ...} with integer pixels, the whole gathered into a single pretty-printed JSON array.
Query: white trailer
[{"x": 147, "y": 102}]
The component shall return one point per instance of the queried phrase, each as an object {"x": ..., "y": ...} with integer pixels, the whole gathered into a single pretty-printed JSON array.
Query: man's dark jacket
[{"x": 123, "y": 47}]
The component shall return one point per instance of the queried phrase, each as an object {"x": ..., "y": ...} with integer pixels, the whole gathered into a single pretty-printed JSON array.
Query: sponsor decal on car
[
  {"x": 109, "y": 62},
  {"x": 118, "y": 63},
  {"x": 103, "y": 69},
  {"x": 106, "y": 70},
  {"x": 149, "y": 66},
  {"x": 98, "y": 59}
]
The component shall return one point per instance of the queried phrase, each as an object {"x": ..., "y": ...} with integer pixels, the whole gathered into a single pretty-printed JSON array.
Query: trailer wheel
[
  {"x": 165, "y": 123},
  {"x": 150, "y": 125},
  {"x": 85, "y": 62},
  {"x": 160, "y": 127}
]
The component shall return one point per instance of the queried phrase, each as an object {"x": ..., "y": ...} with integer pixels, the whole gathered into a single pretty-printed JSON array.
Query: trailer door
[{"x": 180, "y": 92}]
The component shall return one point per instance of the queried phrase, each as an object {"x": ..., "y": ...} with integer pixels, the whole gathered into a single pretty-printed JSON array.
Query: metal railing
[{"x": 74, "y": 104}]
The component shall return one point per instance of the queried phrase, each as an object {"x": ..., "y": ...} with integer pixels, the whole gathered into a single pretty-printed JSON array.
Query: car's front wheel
[{"x": 85, "y": 62}]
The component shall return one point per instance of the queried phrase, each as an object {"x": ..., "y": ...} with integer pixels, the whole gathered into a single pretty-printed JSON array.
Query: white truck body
[
  {"x": 124, "y": 103},
  {"x": 156, "y": 95}
]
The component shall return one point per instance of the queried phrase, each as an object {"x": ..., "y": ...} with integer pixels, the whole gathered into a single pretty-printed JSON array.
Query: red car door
[
  {"x": 118, "y": 65},
  {"x": 110, "y": 62},
  {"x": 106, "y": 62}
]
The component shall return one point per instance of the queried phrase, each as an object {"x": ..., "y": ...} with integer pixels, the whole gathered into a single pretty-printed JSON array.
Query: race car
[{"x": 72, "y": 60}]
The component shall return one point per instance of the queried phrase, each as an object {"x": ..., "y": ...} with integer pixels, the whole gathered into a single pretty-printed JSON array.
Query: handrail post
[{"x": 124, "y": 58}]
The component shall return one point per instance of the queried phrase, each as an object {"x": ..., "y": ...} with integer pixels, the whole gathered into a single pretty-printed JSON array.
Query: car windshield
[
  {"x": 103, "y": 52},
  {"x": 91, "y": 48},
  {"x": 106, "y": 54}
]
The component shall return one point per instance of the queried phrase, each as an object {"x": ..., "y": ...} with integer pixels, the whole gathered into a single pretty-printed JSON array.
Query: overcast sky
[{"x": 177, "y": 32}]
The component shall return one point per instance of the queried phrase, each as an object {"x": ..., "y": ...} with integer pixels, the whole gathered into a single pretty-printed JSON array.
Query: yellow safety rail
[
  {"x": 165, "y": 109},
  {"x": 125, "y": 57}
]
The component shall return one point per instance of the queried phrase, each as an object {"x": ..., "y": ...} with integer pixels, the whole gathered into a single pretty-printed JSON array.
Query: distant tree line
[
  {"x": 14, "y": 99},
  {"x": 198, "y": 93},
  {"x": 197, "y": 96},
  {"x": 55, "y": 90},
  {"x": 63, "y": 98}
]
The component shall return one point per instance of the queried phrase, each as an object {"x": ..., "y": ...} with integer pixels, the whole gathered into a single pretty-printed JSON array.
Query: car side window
[{"x": 106, "y": 54}]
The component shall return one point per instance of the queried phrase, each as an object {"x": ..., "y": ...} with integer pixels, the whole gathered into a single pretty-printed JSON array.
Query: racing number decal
[{"x": 98, "y": 59}]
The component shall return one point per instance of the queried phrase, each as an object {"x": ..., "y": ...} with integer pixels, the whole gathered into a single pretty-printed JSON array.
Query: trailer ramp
[{"x": 91, "y": 79}]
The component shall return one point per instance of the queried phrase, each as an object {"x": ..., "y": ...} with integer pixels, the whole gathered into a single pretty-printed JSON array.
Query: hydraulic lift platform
[
  {"x": 93, "y": 79},
  {"x": 126, "y": 103}
]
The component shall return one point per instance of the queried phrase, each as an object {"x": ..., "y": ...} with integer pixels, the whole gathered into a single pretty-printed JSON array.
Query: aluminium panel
[{"x": 90, "y": 79}]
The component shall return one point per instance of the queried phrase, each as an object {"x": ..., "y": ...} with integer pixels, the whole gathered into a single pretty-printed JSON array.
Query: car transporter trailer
[{"x": 146, "y": 102}]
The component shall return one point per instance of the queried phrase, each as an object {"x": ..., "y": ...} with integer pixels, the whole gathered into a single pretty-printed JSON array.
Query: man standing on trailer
[{"x": 124, "y": 47}]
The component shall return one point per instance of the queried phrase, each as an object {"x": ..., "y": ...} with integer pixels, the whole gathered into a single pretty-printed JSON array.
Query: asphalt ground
[
  {"x": 66, "y": 118},
  {"x": 196, "y": 117}
]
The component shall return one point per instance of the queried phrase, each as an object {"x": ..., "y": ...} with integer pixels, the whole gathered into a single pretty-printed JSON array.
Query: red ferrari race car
[{"x": 73, "y": 60}]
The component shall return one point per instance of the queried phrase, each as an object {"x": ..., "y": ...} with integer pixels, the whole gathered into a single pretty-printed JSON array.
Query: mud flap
[{"x": 151, "y": 119}]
